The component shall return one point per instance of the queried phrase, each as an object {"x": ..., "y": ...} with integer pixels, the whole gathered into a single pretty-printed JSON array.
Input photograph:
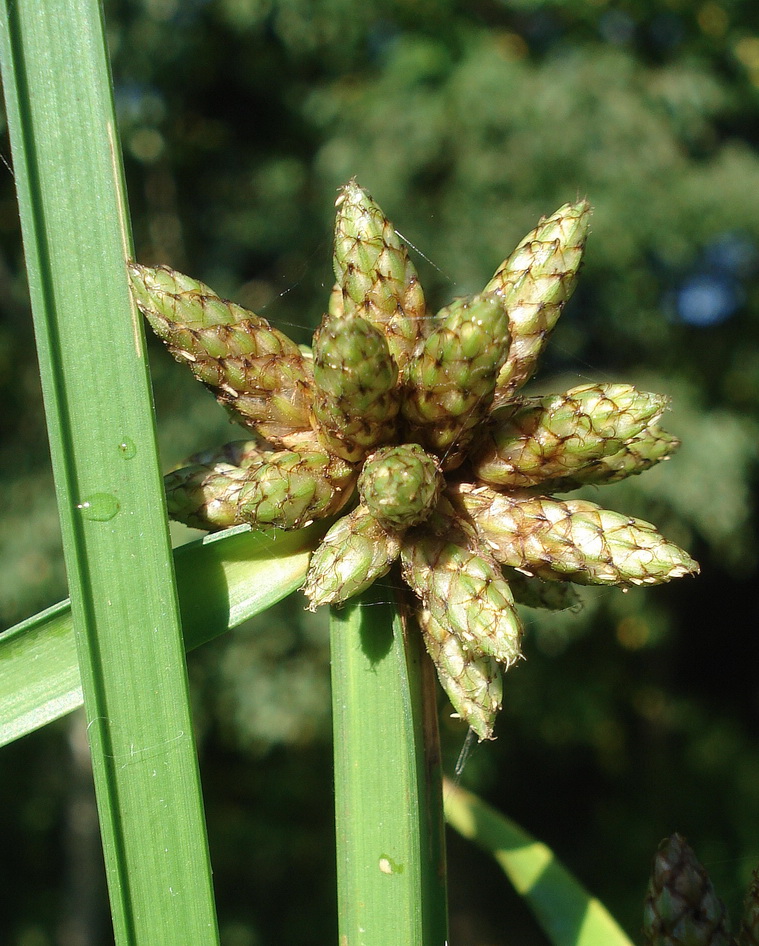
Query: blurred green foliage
[{"x": 629, "y": 720}]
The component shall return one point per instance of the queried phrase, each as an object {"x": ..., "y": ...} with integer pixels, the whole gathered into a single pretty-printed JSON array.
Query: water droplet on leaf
[
  {"x": 127, "y": 448},
  {"x": 99, "y": 506}
]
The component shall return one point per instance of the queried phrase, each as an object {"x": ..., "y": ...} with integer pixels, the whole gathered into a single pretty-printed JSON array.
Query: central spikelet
[
  {"x": 400, "y": 485},
  {"x": 410, "y": 422}
]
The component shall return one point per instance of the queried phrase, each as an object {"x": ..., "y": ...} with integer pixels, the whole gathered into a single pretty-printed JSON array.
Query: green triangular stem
[{"x": 389, "y": 818}]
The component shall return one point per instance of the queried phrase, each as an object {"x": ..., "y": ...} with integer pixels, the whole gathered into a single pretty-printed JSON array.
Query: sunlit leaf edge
[{"x": 564, "y": 909}]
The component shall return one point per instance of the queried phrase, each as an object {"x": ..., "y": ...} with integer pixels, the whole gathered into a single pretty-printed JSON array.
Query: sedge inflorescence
[{"x": 410, "y": 424}]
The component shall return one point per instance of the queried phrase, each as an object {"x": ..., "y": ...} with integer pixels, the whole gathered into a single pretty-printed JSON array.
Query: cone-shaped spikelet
[
  {"x": 355, "y": 552},
  {"x": 252, "y": 368},
  {"x": 450, "y": 385},
  {"x": 681, "y": 907},
  {"x": 541, "y": 438},
  {"x": 205, "y": 496},
  {"x": 749, "y": 932},
  {"x": 203, "y": 492},
  {"x": 574, "y": 540},
  {"x": 534, "y": 283},
  {"x": 462, "y": 586},
  {"x": 355, "y": 394},
  {"x": 473, "y": 683},
  {"x": 639, "y": 454},
  {"x": 375, "y": 277},
  {"x": 281, "y": 489}
]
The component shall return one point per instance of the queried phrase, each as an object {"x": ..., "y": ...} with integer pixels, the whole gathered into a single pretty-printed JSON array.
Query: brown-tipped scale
[
  {"x": 355, "y": 552},
  {"x": 282, "y": 489}
]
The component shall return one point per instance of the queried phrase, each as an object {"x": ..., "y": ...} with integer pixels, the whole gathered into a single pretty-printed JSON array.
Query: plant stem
[{"x": 389, "y": 821}]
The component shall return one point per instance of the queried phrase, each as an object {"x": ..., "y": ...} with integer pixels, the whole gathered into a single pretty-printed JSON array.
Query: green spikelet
[
  {"x": 400, "y": 485},
  {"x": 574, "y": 540},
  {"x": 205, "y": 496},
  {"x": 374, "y": 274},
  {"x": 681, "y": 907},
  {"x": 253, "y": 369},
  {"x": 534, "y": 283},
  {"x": 294, "y": 488},
  {"x": 473, "y": 683},
  {"x": 462, "y": 587},
  {"x": 542, "y": 438},
  {"x": 355, "y": 552},
  {"x": 202, "y": 492},
  {"x": 749, "y": 932},
  {"x": 547, "y": 595},
  {"x": 279, "y": 489},
  {"x": 355, "y": 395},
  {"x": 451, "y": 383},
  {"x": 650, "y": 447}
]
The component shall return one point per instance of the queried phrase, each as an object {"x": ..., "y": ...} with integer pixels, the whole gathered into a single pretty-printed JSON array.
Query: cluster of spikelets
[
  {"x": 409, "y": 422},
  {"x": 682, "y": 908}
]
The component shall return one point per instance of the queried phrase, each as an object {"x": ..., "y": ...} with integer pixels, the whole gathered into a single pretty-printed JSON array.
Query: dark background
[{"x": 466, "y": 121}]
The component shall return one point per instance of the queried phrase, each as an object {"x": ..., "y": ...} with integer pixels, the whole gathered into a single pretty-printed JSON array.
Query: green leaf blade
[
  {"x": 565, "y": 910},
  {"x": 39, "y": 672},
  {"x": 222, "y": 580}
]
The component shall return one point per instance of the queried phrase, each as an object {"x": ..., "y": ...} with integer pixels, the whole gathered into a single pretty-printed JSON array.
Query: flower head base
[{"x": 414, "y": 416}]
